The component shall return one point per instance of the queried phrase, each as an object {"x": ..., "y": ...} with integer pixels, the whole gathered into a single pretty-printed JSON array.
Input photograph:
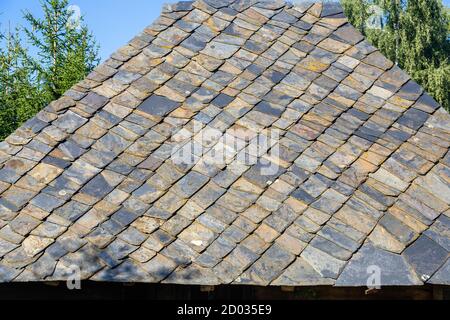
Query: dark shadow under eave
[{"x": 117, "y": 291}]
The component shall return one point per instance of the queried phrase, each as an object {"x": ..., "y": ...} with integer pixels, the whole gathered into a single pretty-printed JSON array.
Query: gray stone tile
[
  {"x": 6, "y": 247},
  {"x": 97, "y": 101},
  {"x": 425, "y": 256},
  {"x": 331, "y": 248},
  {"x": 439, "y": 232},
  {"x": 128, "y": 271},
  {"x": 397, "y": 228},
  {"x": 8, "y": 274},
  {"x": 98, "y": 187},
  {"x": 442, "y": 276},
  {"x": 326, "y": 265},
  {"x": 339, "y": 238},
  {"x": 394, "y": 271},
  {"x": 46, "y": 202},
  {"x": 410, "y": 91},
  {"x": 263, "y": 172},
  {"x": 220, "y": 50},
  {"x": 301, "y": 273},
  {"x": 158, "y": 105},
  {"x": 413, "y": 118},
  {"x": 70, "y": 121},
  {"x": 190, "y": 184},
  {"x": 72, "y": 210},
  {"x": 272, "y": 262}
]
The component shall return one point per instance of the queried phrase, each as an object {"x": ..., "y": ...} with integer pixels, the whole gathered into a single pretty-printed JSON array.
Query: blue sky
[{"x": 113, "y": 22}]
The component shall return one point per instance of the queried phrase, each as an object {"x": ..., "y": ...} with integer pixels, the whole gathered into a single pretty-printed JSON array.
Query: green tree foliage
[
  {"x": 64, "y": 52},
  {"x": 20, "y": 97},
  {"x": 414, "y": 34}
]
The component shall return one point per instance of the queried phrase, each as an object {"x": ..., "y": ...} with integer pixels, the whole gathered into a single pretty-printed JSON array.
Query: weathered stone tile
[
  {"x": 425, "y": 256},
  {"x": 334, "y": 46},
  {"x": 212, "y": 222},
  {"x": 358, "y": 220},
  {"x": 326, "y": 265},
  {"x": 70, "y": 122},
  {"x": 15, "y": 198},
  {"x": 208, "y": 195},
  {"x": 190, "y": 184},
  {"x": 410, "y": 91},
  {"x": 6, "y": 247},
  {"x": 96, "y": 101},
  {"x": 436, "y": 185},
  {"x": 48, "y": 229},
  {"x": 158, "y": 105},
  {"x": 8, "y": 274},
  {"x": 439, "y": 232},
  {"x": 32, "y": 245},
  {"x": 72, "y": 210},
  {"x": 193, "y": 275},
  {"x": 255, "y": 244},
  {"x": 330, "y": 248},
  {"x": 351, "y": 165},
  {"x": 46, "y": 202},
  {"x": 180, "y": 253},
  {"x": 266, "y": 233},
  {"x": 197, "y": 236},
  {"x": 236, "y": 201},
  {"x": 272, "y": 262},
  {"x": 115, "y": 251},
  {"x": 234, "y": 234},
  {"x": 341, "y": 234},
  {"x": 170, "y": 202},
  {"x": 383, "y": 239},
  {"x": 158, "y": 240},
  {"x": 349, "y": 34},
  {"x": 128, "y": 271},
  {"x": 442, "y": 275},
  {"x": 389, "y": 179},
  {"x": 291, "y": 244},
  {"x": 176, "y": 224},
  {"x": 394, "y": 269},
  {"x": 241, "y": 257},
  {"x": 142, "y": 255},
  {"x": 220, "y": 50},
  {"x": 413, "y": 118},
  {"x": 112, "y": 143},
  {"x": 426, "y": 103},
  {"x": 368, "y": 71},
  {"x": 263, "y": 172},
  {"x": 422, "y": 195},
  {"x": 303, "y": 196},
  {"x": 301, "y": 273},
  {"x": 378, "y": 60},
  {"x": 207, "y": 260},
  {"x": 147, "y": 193},
  {"x": 100, "y": 237}
]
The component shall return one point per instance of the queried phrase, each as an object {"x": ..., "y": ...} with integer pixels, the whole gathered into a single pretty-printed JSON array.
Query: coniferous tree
[
  {"x": 66, "y": 52},
  {"x": 20, "y": 97}
]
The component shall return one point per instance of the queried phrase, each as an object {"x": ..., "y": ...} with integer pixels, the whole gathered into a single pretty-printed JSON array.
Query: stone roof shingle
[{"x": 334, "y": 160}]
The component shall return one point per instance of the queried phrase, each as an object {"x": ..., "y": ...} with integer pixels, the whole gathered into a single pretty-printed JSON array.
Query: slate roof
[{"x": 362, "y": 169}]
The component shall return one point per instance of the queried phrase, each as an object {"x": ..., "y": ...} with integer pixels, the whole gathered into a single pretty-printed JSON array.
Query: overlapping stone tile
[
  {"x": 361, "y": 157},
  {"x": 393, "y": 269}
]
